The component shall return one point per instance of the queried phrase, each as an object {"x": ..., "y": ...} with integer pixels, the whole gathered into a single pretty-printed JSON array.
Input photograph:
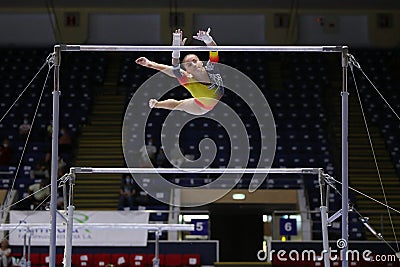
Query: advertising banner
[{"x": 82, "y": 236}]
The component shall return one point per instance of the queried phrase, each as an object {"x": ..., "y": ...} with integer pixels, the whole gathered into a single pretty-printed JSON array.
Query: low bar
[
  {"x": 195, "y": 170},
  {"x": 149, "y": 226},
  {"x": 153, "y": 48}
]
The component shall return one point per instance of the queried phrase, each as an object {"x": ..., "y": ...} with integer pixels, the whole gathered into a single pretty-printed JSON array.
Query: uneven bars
[
  {"x": 196, "y": 170},
  {"x": 113, "y": 48},
  {"x": 149, "y": 226},
  {"x": 153, "y": 48}
]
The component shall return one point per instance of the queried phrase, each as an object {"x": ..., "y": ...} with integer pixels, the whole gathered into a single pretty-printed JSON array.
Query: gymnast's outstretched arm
[
  {"x": 177, "y": 40},
  {"x": 154, "y": 65}
]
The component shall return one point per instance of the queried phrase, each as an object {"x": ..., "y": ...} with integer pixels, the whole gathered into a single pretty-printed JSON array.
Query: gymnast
[{"x": 202, "y": 80}]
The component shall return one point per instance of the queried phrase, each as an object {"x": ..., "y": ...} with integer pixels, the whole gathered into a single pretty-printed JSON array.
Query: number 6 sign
[{"x": 288, "y": 227}]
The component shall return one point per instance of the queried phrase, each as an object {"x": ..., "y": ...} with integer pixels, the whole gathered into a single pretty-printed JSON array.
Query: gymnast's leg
[{"x": 187, "y": 105}]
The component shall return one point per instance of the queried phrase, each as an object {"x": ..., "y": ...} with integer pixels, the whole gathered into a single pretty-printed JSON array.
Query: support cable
[
  {"x": 355, "y": 63},
  {"x": 330, "y": 182},
  {"x": 50, "y": 63}
]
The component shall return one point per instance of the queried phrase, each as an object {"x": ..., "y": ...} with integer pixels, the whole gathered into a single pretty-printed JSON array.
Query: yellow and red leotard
[{"x": 206, "y": 95}]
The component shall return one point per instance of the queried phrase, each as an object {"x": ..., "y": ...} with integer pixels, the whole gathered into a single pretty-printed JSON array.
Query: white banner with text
[{"x": 82, "y": 236}]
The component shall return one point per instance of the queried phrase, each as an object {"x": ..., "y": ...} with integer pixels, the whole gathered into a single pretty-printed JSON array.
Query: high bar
[
  {"x": 153, "y": 48},
  {"x": 196, "y": 170}
]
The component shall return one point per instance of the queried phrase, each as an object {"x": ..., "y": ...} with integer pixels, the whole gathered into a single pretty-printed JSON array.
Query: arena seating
[
  {"x": 301, "y": 118},
  {"x": 77, "y": 82}
]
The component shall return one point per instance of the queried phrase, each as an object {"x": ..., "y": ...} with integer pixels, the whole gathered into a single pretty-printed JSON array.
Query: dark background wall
[{"x": 301, "y": 22}]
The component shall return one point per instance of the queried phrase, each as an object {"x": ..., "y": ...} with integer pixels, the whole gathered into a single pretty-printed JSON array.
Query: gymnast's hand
[
  {"x": 177, "y": 41},
  {"x": 204, "y": 36},
  {"x": 177, "y": 38},
  {"x": 143, "y": 61}
]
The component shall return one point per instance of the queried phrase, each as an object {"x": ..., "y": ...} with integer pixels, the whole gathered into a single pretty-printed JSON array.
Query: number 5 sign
[
  {"x": 288, "y": 226},
  {"x": 200, "y": 227}
]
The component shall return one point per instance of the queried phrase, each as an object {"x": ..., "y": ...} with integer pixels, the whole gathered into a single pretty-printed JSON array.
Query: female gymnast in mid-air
[{"x": 203, "y": 81}]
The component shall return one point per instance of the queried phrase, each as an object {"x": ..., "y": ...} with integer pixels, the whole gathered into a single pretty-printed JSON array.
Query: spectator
[
  {"x": 24, "y": 129},
  {"x": 49, "y": 131},
  {"x": 5, "y": 253},
  {"x": 60, "y": 199},
  {"x": 40, "y": 191},
  {"x": 177, "y": 159},
  {"x": 161, "y": 159},
  {"x": 62, "y": 166},
  {"x": 148, "y": 152},
  {"x": 6, "y": 152},
  {"x": 40, "y": 172},
  {"x": 127, "y": 192},
  {"x": 64, "y": 141}
]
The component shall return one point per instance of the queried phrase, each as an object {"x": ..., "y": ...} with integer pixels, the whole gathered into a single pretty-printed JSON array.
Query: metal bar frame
[{"x": 104, "y": 48}]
